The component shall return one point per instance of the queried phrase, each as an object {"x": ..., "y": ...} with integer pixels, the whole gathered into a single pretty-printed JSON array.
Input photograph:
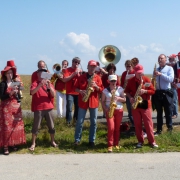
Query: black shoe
[
  {"x": 76, "y": 143},
  {"x": 158, "y": 132},
  {"x": 91, "y": 144},
  {"x": 170, "y": 129}
]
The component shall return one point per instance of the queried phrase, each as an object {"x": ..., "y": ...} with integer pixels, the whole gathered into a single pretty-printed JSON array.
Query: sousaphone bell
[{"x": 109, "y": 54}]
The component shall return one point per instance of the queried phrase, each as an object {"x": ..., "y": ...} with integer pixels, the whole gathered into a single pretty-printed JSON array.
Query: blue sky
[{"x": 54, "y": 30}]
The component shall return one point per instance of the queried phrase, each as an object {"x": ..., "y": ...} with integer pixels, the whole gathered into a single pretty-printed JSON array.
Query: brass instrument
[
  {"x": 109, "y": 54},
  {"x": 113, "y": 105},
  {"x": 57, "y": 71},
  {"x": 89, "y": 89},
  {"x": 138, "y": 99},
  {"x": 153, "y": 79}
]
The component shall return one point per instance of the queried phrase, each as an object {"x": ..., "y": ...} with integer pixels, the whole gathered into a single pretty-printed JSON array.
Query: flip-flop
[
  {"x": 54, "y": 145},
  {"x": 32, "y": 148}
]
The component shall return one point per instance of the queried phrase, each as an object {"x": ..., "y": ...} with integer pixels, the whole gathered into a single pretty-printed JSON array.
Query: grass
[{"x": 168, "y": 142}]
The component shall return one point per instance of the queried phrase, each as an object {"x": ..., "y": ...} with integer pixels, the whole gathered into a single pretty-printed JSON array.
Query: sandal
[
  {"x": 14, "y": 148},
  {"x": 6, "y": 151},
  {"x": 32, "y": 148}
]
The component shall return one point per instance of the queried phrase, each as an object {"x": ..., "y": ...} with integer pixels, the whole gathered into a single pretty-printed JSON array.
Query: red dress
[{"x": 11, "y": 123}]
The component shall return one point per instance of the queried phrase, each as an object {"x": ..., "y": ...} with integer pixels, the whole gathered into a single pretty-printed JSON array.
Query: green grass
[{"x": 168, "y": 142}]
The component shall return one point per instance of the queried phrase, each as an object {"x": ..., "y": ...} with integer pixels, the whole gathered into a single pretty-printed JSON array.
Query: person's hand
[
  {"x": 48, "y": 83},
  {"x": 82, "y": 92},
  {"x": 93, "y": 84},
  {"x": 132, "y": 100},
  {"x": 60, "y": 76},
  {"x": 142, "y": 91},
  {"x": 157, "y": 73}
]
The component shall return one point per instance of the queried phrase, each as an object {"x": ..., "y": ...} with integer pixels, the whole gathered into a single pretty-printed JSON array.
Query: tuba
[{"x": 109, "y": 54}]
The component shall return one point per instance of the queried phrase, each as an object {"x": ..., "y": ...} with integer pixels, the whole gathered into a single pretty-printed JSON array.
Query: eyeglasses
[
  {"x": 76, "y": 62},
  {"x": 113, "y": 81},
  {"x": 128, "y": 66}
]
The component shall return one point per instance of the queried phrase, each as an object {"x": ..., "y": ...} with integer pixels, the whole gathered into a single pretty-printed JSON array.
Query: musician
[
  {"x": 134, "y": 61},
  {"x": 173, "y": 64},
  {"x": 141, "y": 85},
  {"x": 93, "y": 81},
  {"x": 41, "y": 65},
  {"x": 113, "y": 96},
  {"x": 124, "y": 81},
  {"x": 70, "y": 76},
  {"x": 60, "y": 91},
  {"x": 42, "y": 92},
  {"x": 163, "y": 95}
]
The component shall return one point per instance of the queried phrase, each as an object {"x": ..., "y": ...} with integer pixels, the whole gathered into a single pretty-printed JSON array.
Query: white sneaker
[
  {"x": 154, "y": 145},
  {"x": 139, "y": 145}
]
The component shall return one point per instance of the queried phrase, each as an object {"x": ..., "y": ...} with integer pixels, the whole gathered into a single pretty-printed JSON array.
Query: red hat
[
  {"x": 7, "y": 68},
  {"x": 92, "y": 63},
  {"x": 10, "y": 63},
  {"x": 172, "y": 56},
  {"x": 139, "y": 68}
]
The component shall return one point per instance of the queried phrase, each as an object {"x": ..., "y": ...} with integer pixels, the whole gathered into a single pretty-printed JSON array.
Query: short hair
[
  {"x": 76, "y": 58},
  {"x": 134, "y": 61},
  {"x": 65, "y": 61},
  {"x": 128, "y": 62},
  {"x": 162, "y": 55},
  {"x": 41, "y": 61},
  {"x": 111, "y": 66}
]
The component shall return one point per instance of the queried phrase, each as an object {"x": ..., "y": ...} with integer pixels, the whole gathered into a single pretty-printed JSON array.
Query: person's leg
[
  {"x": 64, "y": 105},
  {"x": 76, "y": 107},
  {"x": 118, "y": 114},
  {"x": 58, "y": 104},
  {"x": 79, "y": 124},
  {"x": 175, "y": 103},
  {"x": 93, "y": 118},
  {"x": 148, "y": 124},
  {"x": 69, "y": 100},
  {"x": 129, "y": 108},
  {"x": 137, "y": 117}
]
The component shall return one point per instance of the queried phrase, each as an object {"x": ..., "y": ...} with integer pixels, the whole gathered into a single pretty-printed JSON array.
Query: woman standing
[
  {"x": 11, "y": 123},
  {"x": 113, "y": 97}
]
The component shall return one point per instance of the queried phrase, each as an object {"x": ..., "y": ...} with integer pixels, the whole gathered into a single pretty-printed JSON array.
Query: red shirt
[
  {"x": 123, "y": 76},
  {"x": 93, "y": 101},
  {"x": 41, "y": 100},
  {"x": 105, "y": 80},
  {"x": 59, "y": 85},
  {"x": 70, "y": 89},
  {"x": 134, "y": 83}
]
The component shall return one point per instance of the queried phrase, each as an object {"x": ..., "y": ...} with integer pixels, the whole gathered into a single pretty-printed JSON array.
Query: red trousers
[
  {"x": 114, "y": 127},
  {"x": 143, "y": 115}
]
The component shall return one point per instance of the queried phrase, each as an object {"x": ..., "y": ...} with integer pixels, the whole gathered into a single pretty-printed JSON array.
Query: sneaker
[
  {"x": 109, "y": 149},
  {"x": 154, "y": 145},
  {"x": 174, "y": 116},
  {"x": 76, "y": 143},
  {"x": 139, "y": 145},
  {"x": 117, "y": 147},
  {"x": 91, "y": 144},
  {"x": 158, "y": 132},
  {"x": 170, "y": 129}
]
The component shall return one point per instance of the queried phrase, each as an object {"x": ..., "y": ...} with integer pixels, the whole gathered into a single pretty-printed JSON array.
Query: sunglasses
[
  {"x": 113, "y": 81},
  {"x": 128, "y": 66},
  {"x": 76, "y": 62}
]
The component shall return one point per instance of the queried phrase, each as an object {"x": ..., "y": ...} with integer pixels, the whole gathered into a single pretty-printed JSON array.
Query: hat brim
[
  {"x": 140, "y": 71},
  {"x": 7, "y": 68}
]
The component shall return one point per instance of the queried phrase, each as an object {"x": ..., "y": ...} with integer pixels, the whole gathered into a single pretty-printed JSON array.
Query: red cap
[
  {"x": 10, "y": 63},
  {"x": 139, "y": 68},
  {"x": 172, "y": 56},
  {"x": 92, "y": 63},
  {"x": 7, "y": 68}
]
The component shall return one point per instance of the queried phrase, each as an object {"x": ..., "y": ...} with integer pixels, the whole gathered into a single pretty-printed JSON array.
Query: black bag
[{"x": 143, "y": 105}]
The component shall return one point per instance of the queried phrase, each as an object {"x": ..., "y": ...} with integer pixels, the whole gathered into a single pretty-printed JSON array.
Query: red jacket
[
  {"x": 93, "y": 101},
  {"x": 123, "y": 76}
]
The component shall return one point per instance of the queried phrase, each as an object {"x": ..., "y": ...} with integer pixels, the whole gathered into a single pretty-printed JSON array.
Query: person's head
[
  {"x": 162, "y": 60},
  {"x": 172, "y": 59},
  {"x": 92, "y": 64},
  {"x": 112, "y": 80},
  {"x": 8, "y": 73},
  {"x": 128, "y": 65},
  {"x": 178, "y": 55},
  {"x": 11, "y": 63},
  {"x": 134, "y": 61},
  {"x": 41, "y": 65},
  {"x": 139, "y": 71},
  {"x": 65, "y": 64},
  {"x": 75, "y": 62},
  {"x": 111, "y": 68}
]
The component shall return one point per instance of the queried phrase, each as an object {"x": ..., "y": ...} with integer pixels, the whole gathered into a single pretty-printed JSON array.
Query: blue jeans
[
  {"x": 129, "y": 107},
  {"x": 70, "y": 99},
  {"x": 80, "y": 121},
  {"x": 175, "y": 102}
]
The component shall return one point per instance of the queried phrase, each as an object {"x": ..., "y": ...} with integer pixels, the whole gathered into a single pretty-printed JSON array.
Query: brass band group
[{"x": 77, "y": 91}]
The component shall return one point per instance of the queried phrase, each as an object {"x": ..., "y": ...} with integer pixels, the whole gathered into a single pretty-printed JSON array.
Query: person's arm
[
  {"x": 103, "y": 102},
  {"x": 50, "y": 88}
]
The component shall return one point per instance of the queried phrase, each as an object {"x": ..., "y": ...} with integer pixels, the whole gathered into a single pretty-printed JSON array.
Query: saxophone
[
  {"x": 138, "y": 99},
  {"x": 153, "y": 79},
  {"x": 113, "y": 105},
  {"x": 89, "y": 90}
]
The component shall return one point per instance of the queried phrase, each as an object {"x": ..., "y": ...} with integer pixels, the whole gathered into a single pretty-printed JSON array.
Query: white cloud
[
  {"x": 140, "y": 48},
  {"x": 156, "y": 47},
  {"x": 77, "y": 43},
  {"x": 113, "y": 34}
]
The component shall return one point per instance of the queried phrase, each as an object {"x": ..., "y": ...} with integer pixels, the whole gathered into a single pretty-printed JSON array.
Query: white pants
[{"x": 61, "y": 104}]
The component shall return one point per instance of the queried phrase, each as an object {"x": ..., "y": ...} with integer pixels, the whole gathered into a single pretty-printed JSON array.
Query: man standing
[
  {"x": 164, "y": 95},
  {"x": 70, "y": 75},
  {"x": 88, "y": 83},
  {"x": 141, "y": 88}
]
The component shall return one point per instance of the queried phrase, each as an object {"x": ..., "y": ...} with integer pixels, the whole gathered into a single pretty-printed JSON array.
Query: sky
[{"x": 54, "y": 30}]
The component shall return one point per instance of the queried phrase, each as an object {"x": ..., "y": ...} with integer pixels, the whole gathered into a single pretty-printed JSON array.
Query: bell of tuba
[
  {"x": 57, "y": 68},
  {"x": 109, "y": 54}
]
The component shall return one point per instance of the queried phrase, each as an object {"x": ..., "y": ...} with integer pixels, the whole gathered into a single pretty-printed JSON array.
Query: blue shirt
[{"x": 164, "y": 81}]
